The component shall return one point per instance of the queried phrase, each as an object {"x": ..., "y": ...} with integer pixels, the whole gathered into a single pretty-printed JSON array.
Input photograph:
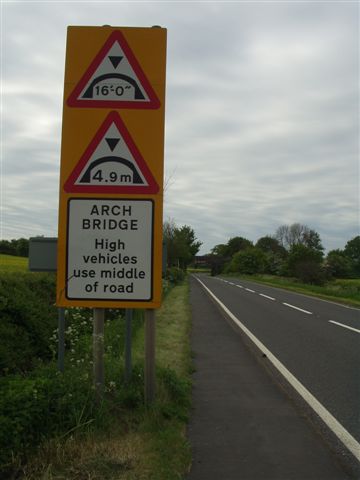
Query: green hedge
[
  {"x": 28, "y": 317},
  {"x": 36, "y": 401},
  {"x": 46, "y": 403}
]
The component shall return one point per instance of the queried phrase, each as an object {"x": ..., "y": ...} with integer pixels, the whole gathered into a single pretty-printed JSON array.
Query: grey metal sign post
[
  {"x": 128, "y": 334},
  {"x": 98, "y": 351},
  {"x": 149, "y": 356},
  {"x": 43, "y": 258}
]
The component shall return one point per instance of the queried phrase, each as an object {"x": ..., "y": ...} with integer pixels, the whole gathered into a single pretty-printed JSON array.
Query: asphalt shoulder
[{"x": 243, "y": 425}]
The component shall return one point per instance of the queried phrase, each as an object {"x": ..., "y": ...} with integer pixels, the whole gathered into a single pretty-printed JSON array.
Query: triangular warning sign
[
  {"x": 114, "y": 79},
  {"x": 111, "y": 164}
]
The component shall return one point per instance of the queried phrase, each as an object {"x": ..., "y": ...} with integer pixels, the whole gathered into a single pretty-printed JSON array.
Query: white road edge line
[
  {"x": 345, "y": 326},
  {"x": 266, "y": 296},
  {"x": 343, "y": 435},
  {"x": 249, "y": 290},
  {"x": 296, "y": 308},
  {"x": 240, "y": 286}
]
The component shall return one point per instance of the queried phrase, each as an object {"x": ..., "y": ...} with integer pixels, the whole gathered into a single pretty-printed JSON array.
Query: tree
[
  {"x": 312, "y": 240},
  {"x": 22, "y": 247},
  {"x": 338, "y": 265},
  {"x": 289, "y": 235},
  {"x": 19, "y": 247},
  {"x": 298, "y": 234},
  {"x": 169, "y": 228},
  {"x": 270, "y": 245},
  {"x": 223, "y": 253},
  {"x": 352, "y": 251},
  {"x": 282, "y": 236},
  {"x": 187, "y": 245},
  {"x": 275, "y": 254},
  {"x": 6, "y": 248},
  {"x": 305, "y": 263},
  {"x": 218, "y": 259},
  {"x": 220, "y": 250},
  {"x": 235, "y": 244},
  {"x": 181, "y": 244},
  {"x": 250, "y": 261}
]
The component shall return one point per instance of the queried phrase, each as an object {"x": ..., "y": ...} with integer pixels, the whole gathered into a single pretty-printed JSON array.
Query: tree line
[
  {"x": 180, "y": 245},
  {"x": 18, "y": 247},
  {"x": 294, "y": 250}
]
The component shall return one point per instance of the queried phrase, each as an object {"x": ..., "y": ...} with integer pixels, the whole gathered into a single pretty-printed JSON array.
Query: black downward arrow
[
  {"x": 115, "y": 60},
  {"x": 112, "y": 142}
]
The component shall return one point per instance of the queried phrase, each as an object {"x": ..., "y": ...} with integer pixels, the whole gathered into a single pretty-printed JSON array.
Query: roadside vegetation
[
  {"x": 180, "y": 243},
  {"x": 345, "y": 291},
  {"x": 293, "y": 258},
  {"x": 28, "y": 318},
  {"x": 18, "y": 247},
  {"x": 50, "y": 424}
]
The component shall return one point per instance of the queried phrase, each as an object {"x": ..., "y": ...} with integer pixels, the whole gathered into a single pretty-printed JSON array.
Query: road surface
[
  {"x": 318, "y": 341},
  {"x": 243, "y": 424}
]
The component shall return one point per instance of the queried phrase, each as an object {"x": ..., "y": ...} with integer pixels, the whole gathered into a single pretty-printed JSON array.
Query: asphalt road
[{"x": 317, "y": 341}]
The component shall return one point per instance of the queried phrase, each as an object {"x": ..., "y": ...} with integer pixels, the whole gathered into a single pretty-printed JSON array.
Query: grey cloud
[{"x": 262, "y": 106}]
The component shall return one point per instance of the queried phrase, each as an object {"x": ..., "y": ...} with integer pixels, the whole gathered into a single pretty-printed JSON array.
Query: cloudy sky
[{"x": 262, "y": 111}]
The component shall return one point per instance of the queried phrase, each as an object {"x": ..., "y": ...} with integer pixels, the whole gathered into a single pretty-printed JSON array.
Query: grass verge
[
  {"x": 129, "y": 440},
  {"x": 345, "y": 291}
]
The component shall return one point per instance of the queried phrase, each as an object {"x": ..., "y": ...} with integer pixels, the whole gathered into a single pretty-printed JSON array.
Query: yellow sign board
[{"x": 111, "y": 176}]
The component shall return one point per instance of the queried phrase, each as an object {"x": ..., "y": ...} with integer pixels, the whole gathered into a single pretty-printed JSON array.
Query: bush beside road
[{"x": 50, "y": 424}]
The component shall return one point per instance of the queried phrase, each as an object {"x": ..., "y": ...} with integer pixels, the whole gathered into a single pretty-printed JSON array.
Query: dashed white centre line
[
  {"x": 266, "y": 296},
  {"x": 297, "y": 308},
  {"x": 344, "y": 326},
  {"x": 249, "y": 290}
]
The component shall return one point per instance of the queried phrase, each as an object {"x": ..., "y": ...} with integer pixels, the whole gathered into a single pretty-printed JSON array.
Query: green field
[{"x": 10, "y": 263}]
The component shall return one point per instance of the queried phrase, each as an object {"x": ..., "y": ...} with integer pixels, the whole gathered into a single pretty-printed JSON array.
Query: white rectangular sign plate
[{"x": 109, "y": 249}]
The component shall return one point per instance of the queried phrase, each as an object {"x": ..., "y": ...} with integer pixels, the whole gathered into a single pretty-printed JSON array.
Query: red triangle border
[
  {"x": 151, "y": 188},
  {"x": 118, "y": 36}
]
